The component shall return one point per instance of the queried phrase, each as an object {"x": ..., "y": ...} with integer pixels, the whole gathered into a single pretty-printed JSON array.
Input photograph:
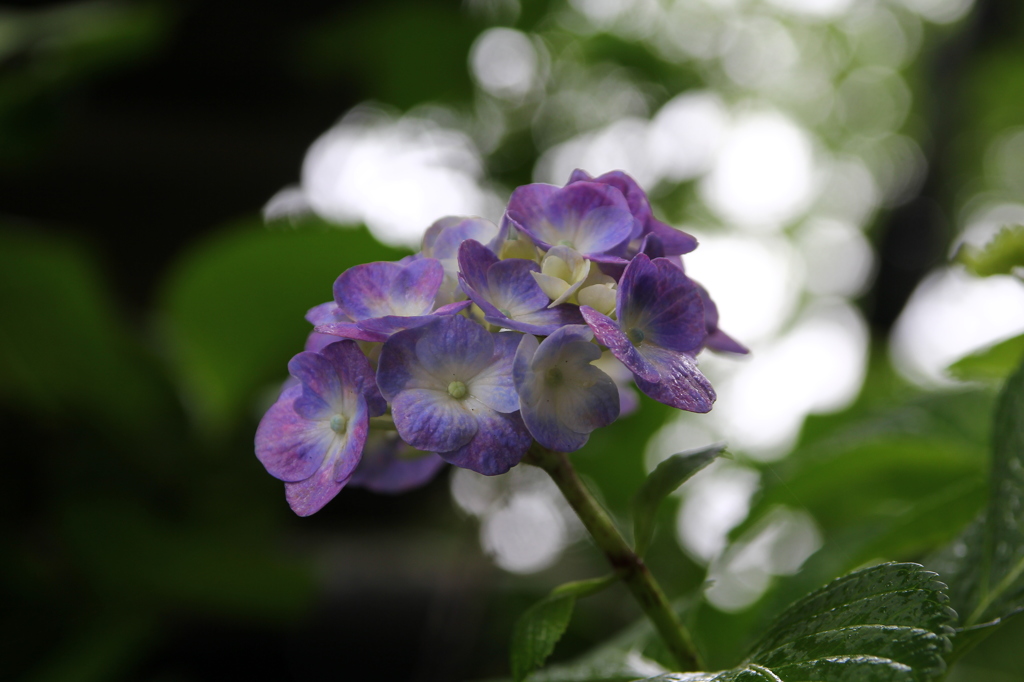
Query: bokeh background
[{"x": 180, "y": 181}]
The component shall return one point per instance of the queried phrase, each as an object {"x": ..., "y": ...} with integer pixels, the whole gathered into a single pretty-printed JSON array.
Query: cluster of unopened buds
[{"x": 492, "y": 338}]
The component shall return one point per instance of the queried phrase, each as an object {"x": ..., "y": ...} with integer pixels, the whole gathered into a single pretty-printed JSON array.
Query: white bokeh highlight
[
  {"x": 397, "y": 176},
  {"x": 817, "y": 366},
  {"x": 525, "y": 522},
  {"x": 778, "y": 545},
  {"x": 714, "y": 502},
  {"x": 765, "y": 174},
  {"x": 950, "y": 315},
  {"x": 755, "y": 281},
  {"x": 504, "y": 62}
]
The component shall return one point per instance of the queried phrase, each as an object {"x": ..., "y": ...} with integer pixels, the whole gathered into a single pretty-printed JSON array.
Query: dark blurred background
[{"x": 148, "y": 314}]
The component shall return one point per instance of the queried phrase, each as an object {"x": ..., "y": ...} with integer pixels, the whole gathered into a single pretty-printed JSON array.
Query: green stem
[
  {"x": 383, "y": 423},
  {"x": 629, "y": 567}
]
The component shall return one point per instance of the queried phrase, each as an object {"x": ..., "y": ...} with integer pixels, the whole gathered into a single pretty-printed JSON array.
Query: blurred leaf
[
  {"x": 999, "y": 256},
  {"x": 987, "y": 563},
  {"x": 233, "y": 308},
  {"x": 101, "y": 651},
  {"x": 543, "y": 624},
  {"x": 990, "y": 364},
  {"x": 643, "y": 63},
  {"x": 669, "y": 475},
  {"x": 64, "y": 350},
  {"x": 894, "y": 457},
  {"x": 134, "y": 559},
  {"x": 888, "y": 622},
  {"x": 46, "y": 50},
  {"x": 618, "y": 660},
  {"x": 403, "y": 52}
]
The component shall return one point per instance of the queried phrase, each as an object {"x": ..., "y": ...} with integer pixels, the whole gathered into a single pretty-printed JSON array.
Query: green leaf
[
  {"x": 623, "y": 658},
  {"x": 233, "y": 308},
  {"x": 668, "y": 476},
  {"x": 895, "y": 457},
  {"x": 1000, "y": 256},
  {"x": 998, "y": 550},
  {"x": 543, "y": 624},
  {"x": 887, "y": 623},
  {"x": 993, "y": 363},
  {"x": 65, "y": 351},
  {"x": 985, "y": 565}
]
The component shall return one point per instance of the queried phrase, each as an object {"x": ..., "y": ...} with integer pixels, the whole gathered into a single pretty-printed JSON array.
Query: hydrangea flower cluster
[{"x": 491, "y": 338}]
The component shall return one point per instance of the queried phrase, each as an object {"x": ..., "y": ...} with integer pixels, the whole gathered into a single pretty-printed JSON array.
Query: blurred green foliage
[
  {"x": 132, "y": 500},
  {"x": 230, "y": 307},
  {"x": 48, "y": 51}
]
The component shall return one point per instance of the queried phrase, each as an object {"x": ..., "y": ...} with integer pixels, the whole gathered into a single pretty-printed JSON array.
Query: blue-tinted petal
[
  {"x": 542, "y": 322},
  {"x": 635, "y": 197},
  {"x": 548, "y": 430},
  {"x": 390, "y": 466},
  {"x": 399, "y": 368},
  {"x": 389, "y": 324},
  {"x": 326, "y": 313},
  {"x": 432, "y": 420},
  {"x": 580, "y": 175},
  {"x": 318, "y": 375},
  {"x": 474, "y": 261},
  {"x": 498, "y": 445},
  {"x": 493, "y": 384},
  {"x": 453, "y": 308},
  {"x": 348, "y": 448},
  {"x": 657, "y": 298},
  {"x": 311, "y": 406},
  {"x": 415, "y": 286},
  {"x": 681, "y": 384},
  {"x": 454, "y": 348},
  {"x": 723, "y": 343},
  {"x": 354, "y": 370},
  {"x": 676, "y": 242},
  {"x": 512, "y": 289},
  {"x": 552, "y": 348},
  {"x": 377, "y": 289},
  {"x": 316, "y": 341},
  {"x": 528, "y": 206},
  {"x": 443, "y": 238},
  {"x": 349, "y": 330},
  {"x": 609, "y": 334},
  {"x": 589, "y": 217},
  {"x": 563, "y": 396},
  {"x": 290, "y": 447},
  {"x": 310, "y": 495}
]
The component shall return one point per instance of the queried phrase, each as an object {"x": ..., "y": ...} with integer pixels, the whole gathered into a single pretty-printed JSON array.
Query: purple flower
[
  {"x": 381, "y": 298},
  {"x": 592, "y": 218},
  {"x": 312, "y": 438},
  {"x": 442, "y": 241},
  {"x": 629, "y": 400},
  {"x": 391, "y": 466},
  {"x": 562, "y": 396},
  {"x": 507, "y": 292},
  {"x": 450, "y": 387},
  {"x": 717, "y": 339},
  {"x": 660, "y": 326},
  {"x": 676, "y": 241}
]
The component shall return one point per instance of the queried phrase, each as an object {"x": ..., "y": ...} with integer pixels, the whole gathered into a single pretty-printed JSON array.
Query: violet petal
[
  {"x": 681, "y": 384},
  {"x": 499, "y": 444},
  {"x": 609, "y": 334}
]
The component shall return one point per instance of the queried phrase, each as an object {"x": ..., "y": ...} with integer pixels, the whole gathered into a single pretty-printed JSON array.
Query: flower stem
[
  {"x": 629, "y": 567},
  {"x": 383, "y": 423}
]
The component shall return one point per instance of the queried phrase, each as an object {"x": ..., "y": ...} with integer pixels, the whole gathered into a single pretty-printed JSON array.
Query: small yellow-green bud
[{"x": 457, "y": 390}]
